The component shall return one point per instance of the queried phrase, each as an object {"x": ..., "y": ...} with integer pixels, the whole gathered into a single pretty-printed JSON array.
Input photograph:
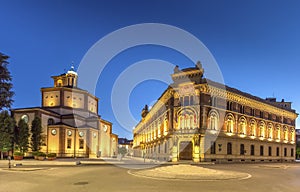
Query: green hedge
[
  {"x": 17, "y": 153},
  {"x": 51, "y": 155}
]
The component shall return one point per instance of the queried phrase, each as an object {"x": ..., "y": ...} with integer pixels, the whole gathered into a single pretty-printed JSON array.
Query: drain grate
[{"x": 81, "y": 183}]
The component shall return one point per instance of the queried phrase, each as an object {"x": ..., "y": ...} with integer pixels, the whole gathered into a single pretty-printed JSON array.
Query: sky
[{"x": 255, "y": 43}]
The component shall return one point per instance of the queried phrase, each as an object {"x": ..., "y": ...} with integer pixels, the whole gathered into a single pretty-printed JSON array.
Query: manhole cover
[{"x": 81, "y": 183}]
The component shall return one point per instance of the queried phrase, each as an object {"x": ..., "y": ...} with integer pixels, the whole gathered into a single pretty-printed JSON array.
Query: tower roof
[{"x": 72, "y": 71}]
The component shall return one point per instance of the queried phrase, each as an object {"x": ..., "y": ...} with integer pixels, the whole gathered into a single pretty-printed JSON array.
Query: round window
[
  {"x": 53, "y": 132},
  {"x": 81, "y": 134},
  {"x": 25, "y": 118}
]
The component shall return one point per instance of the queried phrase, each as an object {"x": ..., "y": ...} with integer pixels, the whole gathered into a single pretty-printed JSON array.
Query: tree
[
  {"x": 7, "y": 125},
  {"x": 22, "y": 136},
  {"x": 5, "y": 84},
  {"x": 36, "y": 134}
]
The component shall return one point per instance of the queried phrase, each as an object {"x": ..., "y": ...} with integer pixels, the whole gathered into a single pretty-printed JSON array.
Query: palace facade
[
  {"x": 70, "y": 121},
  {"x": 201, "y": 120}
]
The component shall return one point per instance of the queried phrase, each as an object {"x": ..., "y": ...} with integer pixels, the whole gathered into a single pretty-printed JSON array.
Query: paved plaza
[{"x": 110, "y": 175}]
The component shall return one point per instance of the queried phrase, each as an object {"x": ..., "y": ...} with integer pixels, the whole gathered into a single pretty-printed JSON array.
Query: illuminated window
[
  {"x": 165, "y": 126},
  {"x": 278, "y": 132},
  {"x": 262, "y": 130},
  {"x": 293, "y": 135},
  {"x": 252, "y": 128},
  {"x": 229, "y": 123},
  {"x": 187, "y": 121},
  {"x": 270, "y": 131},
  {"x": 213, "y": 121},
  {"x": 181, "y": 121},
  {"x": 286, "y": 134},
  {"x": 59, "y": 83},
  {"x": 242, "y": 126}
]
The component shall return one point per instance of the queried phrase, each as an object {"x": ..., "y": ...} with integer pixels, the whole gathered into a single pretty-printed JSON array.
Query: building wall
[
  {"x": 74, "y": 100},
  {"x": 105, "y": 139},
  {"x": 196, "y": 113},
  {"x": 70, "y": 122},
  {"x": 51, "y": 98}
]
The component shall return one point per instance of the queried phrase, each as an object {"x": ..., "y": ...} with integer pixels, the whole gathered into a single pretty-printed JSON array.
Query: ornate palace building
[
  {"x": 70, "y": 121},
  {"x": 201, "y": 120}
]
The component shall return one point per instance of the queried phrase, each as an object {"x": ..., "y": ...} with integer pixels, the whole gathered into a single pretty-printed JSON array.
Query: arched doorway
[{"x": 186, "y": 150}]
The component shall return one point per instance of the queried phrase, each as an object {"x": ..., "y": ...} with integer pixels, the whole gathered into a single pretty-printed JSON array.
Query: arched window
[
  {"x": 242, "y": 126},
  {"x": 229, "y": 123},
  {"x": 242, "y": 149},
  {"x": 59, "y": 83},
  {"x": 229, "y": 148},
  {"x": 181, "y": 121},
  {"x": 50, "y": 121},
  {"x": 278, "y": 132},
  {"x": 270, "y": 131},
  {"x": 187, "y": 121},
  {"x": 241, "y": 109},
  {"x": 191, "y": 122},
  {"x": 213, "y": 119},
  {"x": 159, "y": 128},
  {"x": 252, "y": 128},
  {"x": 286, "y": 136},
  {"x": 262, "y": 129},
  {"x": 292, "y": 135},
  {"x": 166, "y": 126}
]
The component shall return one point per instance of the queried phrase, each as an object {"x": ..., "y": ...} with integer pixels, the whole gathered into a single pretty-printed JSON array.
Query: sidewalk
[
  {"x": 93, "y": 161},
  {"x": 32, "y": 162},
  {"x": 79, "y": 161}
]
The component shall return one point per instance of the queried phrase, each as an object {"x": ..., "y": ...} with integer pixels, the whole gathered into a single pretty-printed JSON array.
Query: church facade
[
  {"x": 70, "y": 121},
  {"x": 201, "y": 120}
]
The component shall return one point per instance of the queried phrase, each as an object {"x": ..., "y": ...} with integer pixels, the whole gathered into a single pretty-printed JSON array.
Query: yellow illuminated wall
[
  {"x": 75, "y": 100},
  {"x": 92, "y": 105},
  {"x": 51, "y": 99}
]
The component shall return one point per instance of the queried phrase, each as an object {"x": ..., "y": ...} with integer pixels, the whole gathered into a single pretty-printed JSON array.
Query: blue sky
[{"x": 256, "y": 44}]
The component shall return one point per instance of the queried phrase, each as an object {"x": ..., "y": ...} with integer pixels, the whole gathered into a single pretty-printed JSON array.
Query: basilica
[
  {"x": 71, "y": 125},
  {"x": 201, "y": 120}
]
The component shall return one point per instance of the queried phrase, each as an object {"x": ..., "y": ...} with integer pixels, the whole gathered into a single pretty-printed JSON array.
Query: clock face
[
  {"x": 105, "y": 128},
  {"x": 69, "y": 132},
  {"x": 94, "y": 135},
  {"x": 25, "y": 118},
  {"x": 53, "y": 132},
  {"x": 81, "y": 134}
]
